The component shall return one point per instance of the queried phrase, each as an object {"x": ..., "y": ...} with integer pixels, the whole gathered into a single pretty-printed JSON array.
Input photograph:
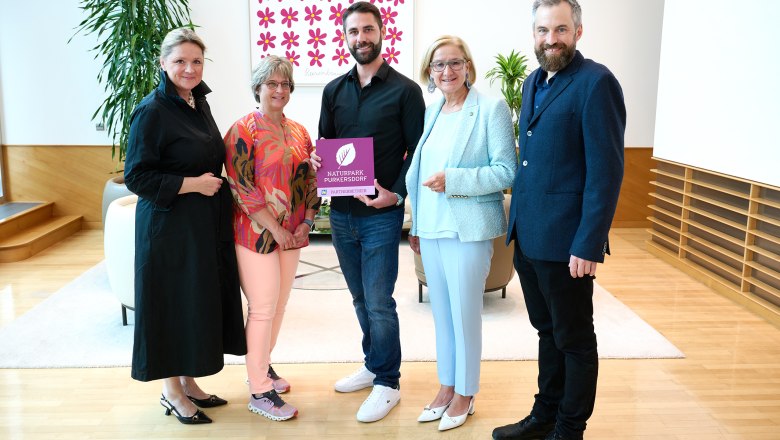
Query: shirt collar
[
  {"x": 541, "y": 80},
  {"x": 382, "y": 73}
]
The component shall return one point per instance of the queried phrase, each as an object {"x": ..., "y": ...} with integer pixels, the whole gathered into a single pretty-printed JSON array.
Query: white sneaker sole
[{"x": 268, "y": 415}]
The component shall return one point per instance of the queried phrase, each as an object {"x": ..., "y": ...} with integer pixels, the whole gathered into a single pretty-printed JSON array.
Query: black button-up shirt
[{"x": 389, "y": 109}]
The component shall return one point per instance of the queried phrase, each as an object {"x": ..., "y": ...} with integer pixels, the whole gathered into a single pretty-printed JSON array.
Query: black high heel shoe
[
  {"x": 195, "y": 419},
  {"x": 209, "y": 402}
]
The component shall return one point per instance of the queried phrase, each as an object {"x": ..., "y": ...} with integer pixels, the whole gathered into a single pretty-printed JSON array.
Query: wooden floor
[{"x": 728, "y": 386}]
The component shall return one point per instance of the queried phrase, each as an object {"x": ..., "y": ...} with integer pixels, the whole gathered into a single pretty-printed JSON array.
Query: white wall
[
  {"x": 48, "y": 87},
  {"x": 42, "y": 75},
  {"x": 719, "y": 92}
]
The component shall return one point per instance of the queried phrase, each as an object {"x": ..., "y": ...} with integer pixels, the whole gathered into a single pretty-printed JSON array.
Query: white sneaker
[
  {"x": 358, "y": 380},
  {"x": 381, "y": 400}
]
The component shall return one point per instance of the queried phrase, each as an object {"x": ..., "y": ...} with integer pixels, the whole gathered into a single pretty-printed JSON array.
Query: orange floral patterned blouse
[{"x": 266, "y": 169}]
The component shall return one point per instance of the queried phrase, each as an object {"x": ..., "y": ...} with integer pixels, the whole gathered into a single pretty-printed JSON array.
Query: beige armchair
[
  {"x": 119, "y": 249},
  {"x": 502, "y": 268}
]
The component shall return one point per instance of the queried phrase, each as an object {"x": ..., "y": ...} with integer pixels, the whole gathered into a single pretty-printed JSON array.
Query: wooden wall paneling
[
  {"x": 632, "y": 209},
  {"x": 71, "y": 176}
]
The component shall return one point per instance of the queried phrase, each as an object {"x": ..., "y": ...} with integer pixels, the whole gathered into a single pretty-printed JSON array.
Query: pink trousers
[{"x": 266, "y": 280}]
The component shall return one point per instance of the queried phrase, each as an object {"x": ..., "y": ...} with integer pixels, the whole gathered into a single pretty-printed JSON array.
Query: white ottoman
[{"x": 119, "y": 248}]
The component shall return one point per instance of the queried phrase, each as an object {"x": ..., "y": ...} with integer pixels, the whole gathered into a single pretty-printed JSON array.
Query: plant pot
[
  {"x": 321, "y": 223},
  {"x": 114, "y": 189}
]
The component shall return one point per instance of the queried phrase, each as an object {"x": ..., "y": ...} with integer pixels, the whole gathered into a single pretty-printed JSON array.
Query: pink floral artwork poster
[{"x": 310, "y": 33}]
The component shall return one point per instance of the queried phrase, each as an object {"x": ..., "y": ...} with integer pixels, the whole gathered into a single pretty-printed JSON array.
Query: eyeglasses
[
  {"x": 273, "y": 85},
  {"x": 439, "y": 66}
]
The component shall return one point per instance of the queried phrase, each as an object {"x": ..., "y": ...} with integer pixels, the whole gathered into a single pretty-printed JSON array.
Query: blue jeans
[{"x": 367, "y": 248}]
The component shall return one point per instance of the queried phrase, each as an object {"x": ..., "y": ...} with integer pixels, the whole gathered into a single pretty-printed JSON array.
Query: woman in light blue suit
[{"x": 465, "y": 158}]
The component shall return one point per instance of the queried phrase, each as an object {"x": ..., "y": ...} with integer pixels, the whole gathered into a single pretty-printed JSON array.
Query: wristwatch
[
  {"x": 400, "y": 199},
  {"x": 310, "y": 223}
]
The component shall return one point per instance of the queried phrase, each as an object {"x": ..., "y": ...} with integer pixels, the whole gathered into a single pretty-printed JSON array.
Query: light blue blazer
[{"x": 482, "y": 163}]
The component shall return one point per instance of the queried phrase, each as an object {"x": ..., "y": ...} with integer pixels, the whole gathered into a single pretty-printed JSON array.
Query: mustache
[
  {"x": 554, "y": 46},
  {"x": 362, "y": 45}
]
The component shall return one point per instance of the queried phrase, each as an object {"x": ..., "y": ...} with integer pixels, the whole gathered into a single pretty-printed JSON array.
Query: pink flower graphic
[
  {"x": 316, "y": 58},
  {"x": 388, "y": 15},
  {"x": 290, "y": 39},
  {"x": 396, "y": 2},
  {"x": 266, "y": 40},
  {"x": 339, "y": 37},
  {"x": 266, "y": 17},
  {"x": 313, "y": 14},
  {"x": 289, "y": 16},
  {"x": 391, "y": 55},
  {"x": 317, "y": 38},
  {"x": 337, "y": 14},
  {"x": 293, "y": 57},
  {"x": 394, "y": 35},
  {"x": 342, "y": 56}
]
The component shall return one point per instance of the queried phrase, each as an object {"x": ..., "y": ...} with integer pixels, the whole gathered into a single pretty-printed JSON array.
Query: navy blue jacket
[{"x": 571, "y": 164}]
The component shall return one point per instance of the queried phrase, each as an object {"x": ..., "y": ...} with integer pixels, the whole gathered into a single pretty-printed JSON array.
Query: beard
[
  {"x": 369, "y": 57},
  {"x": 554, "y": 63}
]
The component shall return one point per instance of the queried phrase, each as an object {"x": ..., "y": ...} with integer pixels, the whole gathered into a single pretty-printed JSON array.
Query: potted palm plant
[
  {"x": 512, "y": 71},
  {"x": 129, "y": 34}
]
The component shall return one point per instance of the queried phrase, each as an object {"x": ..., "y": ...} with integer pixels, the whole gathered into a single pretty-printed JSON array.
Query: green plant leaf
[
  {"x": 512, "y": 71},
  {"x": 129, "y": 34}
]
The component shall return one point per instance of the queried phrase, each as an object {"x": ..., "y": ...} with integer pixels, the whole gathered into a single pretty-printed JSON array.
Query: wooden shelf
[
  {"x": 728, "y": 191},
  {"x": 667, "y": 174},
  {"x": 713, "y": 247},
  {"x": 770, "y": 220},
  {"x": 666, "y": 212},
  {"x": 667, "y": 187},
  {"x": 721, "y": 230},
  {"x": 764, "y": 252}
]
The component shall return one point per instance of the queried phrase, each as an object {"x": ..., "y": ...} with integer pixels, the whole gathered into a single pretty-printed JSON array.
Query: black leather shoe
[
  {"x": 555, "y": 436},
  {"x": 530, "y": 428},
  {"x": 209, "y": 402},
  {"x": 196, "y": 419}
]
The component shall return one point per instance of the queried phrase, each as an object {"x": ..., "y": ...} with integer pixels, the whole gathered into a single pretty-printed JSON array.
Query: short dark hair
[{"x": 363, "y": 8}]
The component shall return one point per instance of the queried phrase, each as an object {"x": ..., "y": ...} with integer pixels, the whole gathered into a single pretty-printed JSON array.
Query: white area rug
[{"x": 81, "y": 326}]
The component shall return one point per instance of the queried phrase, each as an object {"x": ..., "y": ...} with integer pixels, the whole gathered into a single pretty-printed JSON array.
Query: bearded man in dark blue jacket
[{"x": 564, "y": 196}]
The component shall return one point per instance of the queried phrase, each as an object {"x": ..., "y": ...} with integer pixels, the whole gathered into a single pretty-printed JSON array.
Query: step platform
[{"x": 27, "y": 228}]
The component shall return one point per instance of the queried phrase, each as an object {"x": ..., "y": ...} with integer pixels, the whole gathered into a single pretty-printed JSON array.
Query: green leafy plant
[
  {"x": 129, "y": 34},
  {"x": 512, "y": 71}
]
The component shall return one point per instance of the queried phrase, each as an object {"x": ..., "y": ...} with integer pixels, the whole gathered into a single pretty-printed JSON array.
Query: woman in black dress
[{"x": 188, "y": 304}]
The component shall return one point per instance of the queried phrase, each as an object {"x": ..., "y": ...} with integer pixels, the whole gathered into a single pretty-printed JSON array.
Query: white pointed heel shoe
[
  {"x": 429, "y": 414},
  {"x": 449, "y": 422}
]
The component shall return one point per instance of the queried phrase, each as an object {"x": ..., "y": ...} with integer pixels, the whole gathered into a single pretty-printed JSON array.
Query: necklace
[{"x": 191, "y": 100}]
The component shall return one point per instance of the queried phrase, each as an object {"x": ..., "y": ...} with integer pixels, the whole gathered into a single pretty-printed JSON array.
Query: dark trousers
[{"x": 561, "y": 310}]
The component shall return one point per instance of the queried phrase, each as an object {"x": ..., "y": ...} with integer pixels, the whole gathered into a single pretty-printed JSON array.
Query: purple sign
[{"x": 347, "y": 167}]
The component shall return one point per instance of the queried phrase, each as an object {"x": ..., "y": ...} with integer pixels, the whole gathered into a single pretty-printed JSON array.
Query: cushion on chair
[
  {"x": 119, "y": 247},
  {"x": 501, "y": 264}
]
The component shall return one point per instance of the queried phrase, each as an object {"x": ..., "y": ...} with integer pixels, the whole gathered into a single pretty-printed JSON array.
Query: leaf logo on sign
[{"x": 345, "y": 155}]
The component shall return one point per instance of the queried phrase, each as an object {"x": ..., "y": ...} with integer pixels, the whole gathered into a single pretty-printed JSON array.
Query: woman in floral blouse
[{"x": 274, "y": 193}]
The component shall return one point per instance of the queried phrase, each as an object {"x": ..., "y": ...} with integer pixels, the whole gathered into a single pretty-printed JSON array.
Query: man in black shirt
[{"x": 373, "y": 100}]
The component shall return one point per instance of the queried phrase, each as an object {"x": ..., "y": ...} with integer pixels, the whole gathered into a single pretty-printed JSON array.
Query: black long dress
[{"x": 187, "y": 298}]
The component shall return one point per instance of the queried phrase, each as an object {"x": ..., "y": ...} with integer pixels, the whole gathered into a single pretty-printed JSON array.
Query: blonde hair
[
  {"x": 177, "y": 37},
  {"x": 444, "y": 40}
]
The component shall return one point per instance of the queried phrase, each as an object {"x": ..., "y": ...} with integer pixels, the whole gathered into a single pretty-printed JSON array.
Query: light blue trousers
[{"x": 456, "y": 273}]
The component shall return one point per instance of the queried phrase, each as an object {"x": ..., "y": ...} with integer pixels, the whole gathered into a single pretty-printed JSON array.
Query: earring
[
  {"x": 431, "y": 85},
  {"x": 468, "y": 83}
]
